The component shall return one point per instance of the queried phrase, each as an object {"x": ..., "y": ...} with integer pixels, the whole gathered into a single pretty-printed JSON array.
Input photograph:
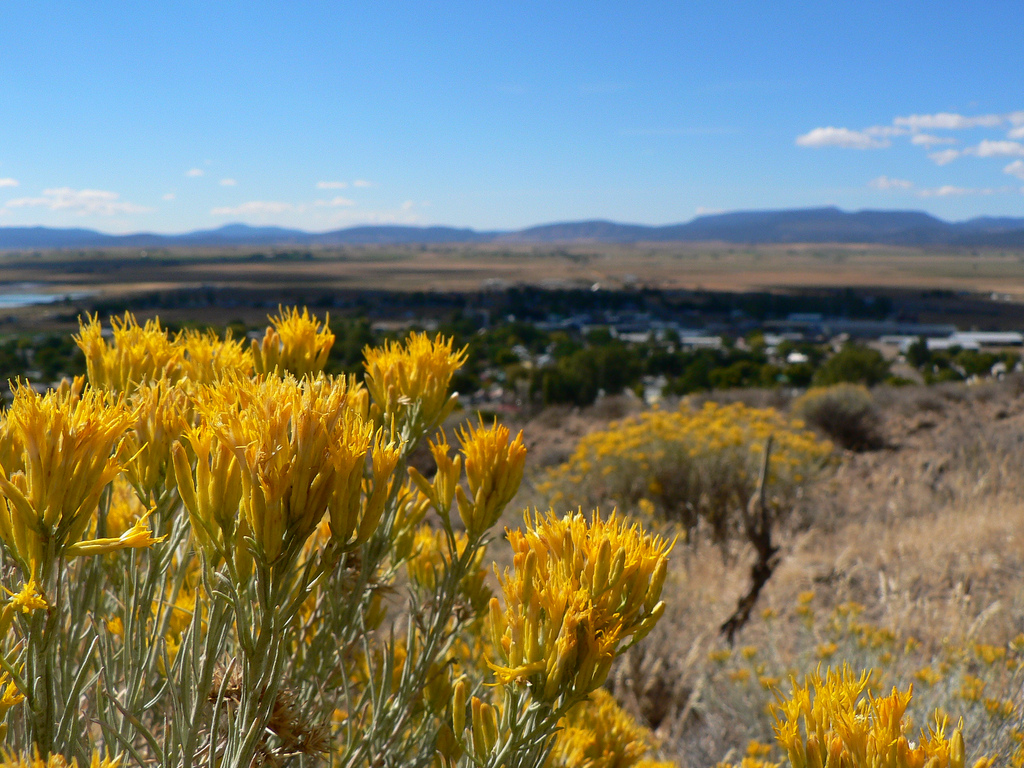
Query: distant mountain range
[{"x": 809, "y": 225}]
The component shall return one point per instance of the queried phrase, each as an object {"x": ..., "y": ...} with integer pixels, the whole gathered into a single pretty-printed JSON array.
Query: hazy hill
[{"x": 810, "y": 225}]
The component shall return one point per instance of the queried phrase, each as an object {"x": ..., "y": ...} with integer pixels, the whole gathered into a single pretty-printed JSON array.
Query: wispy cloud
[
  {"x": 988, "y": 148},
  {"x": 194, "y": 173},
  {"x": 255, "y": 208},
  {"x": 1016, "y": 168},
  {"x": 169, "y": 196},
  {"x": 228, "y": 183},
  {"x": 950, "y": 190},
  {"x": 82, "y": 202},
  {"x": 841, "y": 137},
  {"x": 887, "y": 183},
  {"x": 362, "y": 183},
  {"x": 928, "y": 141},
  {"x": 945, "y": 157},
  {"x": 331, "y": 184},
  {"x": 948, "y": 121},
  {"x": 8, "y": 182},
  {"x": 334, "y": 202}
]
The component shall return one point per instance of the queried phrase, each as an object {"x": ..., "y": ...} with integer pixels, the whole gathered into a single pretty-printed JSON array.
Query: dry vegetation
[
  {"x": 905, "y": 559},
  {"x": 721, "y": 267}
]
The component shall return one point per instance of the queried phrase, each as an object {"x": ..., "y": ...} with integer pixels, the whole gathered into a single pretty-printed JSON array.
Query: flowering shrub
[
  {"x": 202, "y": 549},
  {"x": 972, "y": 685},
  {"x": 689, "y": 465}
]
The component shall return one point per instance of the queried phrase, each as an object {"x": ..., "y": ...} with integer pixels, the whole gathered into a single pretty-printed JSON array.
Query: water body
[{"x": 27, "y": 295}]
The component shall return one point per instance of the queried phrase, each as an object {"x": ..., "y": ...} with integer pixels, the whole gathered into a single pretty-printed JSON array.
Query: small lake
[{"x": 17, "y": 295}]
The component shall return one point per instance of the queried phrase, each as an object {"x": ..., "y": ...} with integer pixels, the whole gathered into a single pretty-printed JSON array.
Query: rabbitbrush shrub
[
  {"x": 205, "y": 545},
  {"x": 693, "y": 466}
]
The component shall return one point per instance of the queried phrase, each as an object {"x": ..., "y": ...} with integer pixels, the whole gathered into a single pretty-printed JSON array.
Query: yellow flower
[
  {"x": 26, "y": 600},
  {"x": 409, "y": 382},
  {"x": 842, "y": 727},
  {"x": 927, "y": 676},
  {"x": 826, "y": 650},
  {"x": 207, "y": 359},
  {"x": 68, "y": 457},
  {"x": 989, "y": 654},
  {"x": 441, "y": 490},
  {"x": 161, "y": 415},
  {"x": 494, "y": 469},
  {"x": 971, "y": 688},
  {"x": 139, "y": 354},
  {"x": 213, "y": 496},
  {"x": 300, "y": 448},
  {"x": 579, "y": 594},
  {"x": 597, "y": 733},
  {"x": 294, "y": 343}
]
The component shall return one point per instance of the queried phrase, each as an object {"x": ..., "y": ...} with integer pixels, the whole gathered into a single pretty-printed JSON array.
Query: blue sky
[{"x": 171, "y": 116}]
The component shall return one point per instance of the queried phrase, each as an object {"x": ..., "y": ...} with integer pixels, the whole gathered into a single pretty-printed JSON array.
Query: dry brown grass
[{"x": 927, "y": 534}]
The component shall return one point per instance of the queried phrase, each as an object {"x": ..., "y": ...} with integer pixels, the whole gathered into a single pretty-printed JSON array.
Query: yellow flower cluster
[
  {"x": 597, "y": 733},
  {"x": 146, "y": 353},
  {"x": 494, "y": 469},
  {"x": 139, "y": 353},
  {"x": 294, "y": 343},
  {"x": 50, "y": 487},
  {"x": 829, "y": 722},
  {"x": 409, "y": 382},
  {"x": 579, "y": 594},
  {"x": 291, "y": 451},
  {"x": 689, "y": 463}
]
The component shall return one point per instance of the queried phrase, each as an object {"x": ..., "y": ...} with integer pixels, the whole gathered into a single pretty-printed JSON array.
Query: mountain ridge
[{"x": 795, "y": 225}]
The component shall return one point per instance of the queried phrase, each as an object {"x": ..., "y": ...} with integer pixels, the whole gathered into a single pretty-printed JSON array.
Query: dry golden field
[{"x": 473, "y": 268}]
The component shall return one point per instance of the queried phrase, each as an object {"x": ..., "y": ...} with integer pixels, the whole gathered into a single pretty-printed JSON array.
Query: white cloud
[
  {"x": 254, "y": 208},
  {"x": 361, "y": 183},
  {"x": 8, "y": 182},
  {"x": 193, "y": 173},
  {"x": 840, "y": 137},
  {"x": 408, "y": 205},
  {"x": 948, "y": 121},
  {"x": 79, "y": 201},
  {"x": 886, "y": 183},
  {"x": 944, "y": 157},
  {"x": 1016, "y": 168},
  {"x": 1016, "y": 133},
  {"x": 928, "y": 141},
  {"x": 950, "y": 190},
  {"x": 703, "y": 211},
  {"x": 334, "y": 202},
  {"x": 228, "y": 183},
  {"x": 331, "y": 184},
  {"x": 989, "y": 148},
  {"x": 168, "y": 196}
]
